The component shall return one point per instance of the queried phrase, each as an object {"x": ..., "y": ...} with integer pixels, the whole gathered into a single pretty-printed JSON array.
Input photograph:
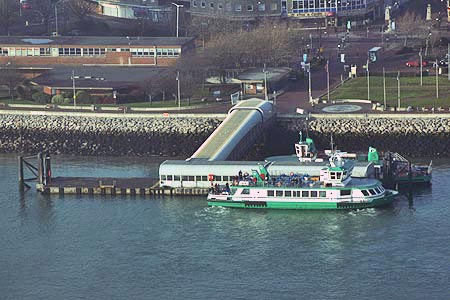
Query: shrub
[
  {"x": 67, "y": 100},
  {"x": 58, "y": 99},
  {"x": 83, "y": 98},
  {"x": 41, "y": 98}
]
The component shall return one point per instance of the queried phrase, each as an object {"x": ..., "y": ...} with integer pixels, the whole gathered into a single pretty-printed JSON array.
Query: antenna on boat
[{"x": 331, "y": 143}]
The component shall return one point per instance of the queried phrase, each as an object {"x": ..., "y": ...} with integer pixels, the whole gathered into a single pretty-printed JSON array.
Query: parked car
[{"x": 415, "y": 63}]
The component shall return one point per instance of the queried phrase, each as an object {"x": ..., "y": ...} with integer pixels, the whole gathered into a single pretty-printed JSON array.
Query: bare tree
[
  {"x": 8, "y": 14},
  {"x": 410, "y": 23},
  {"x": 82, "y": 8},
  {"x": 244, "y": 49},
  {"x": 11, "y": 78},
  {"x": 46, "y": 9}
]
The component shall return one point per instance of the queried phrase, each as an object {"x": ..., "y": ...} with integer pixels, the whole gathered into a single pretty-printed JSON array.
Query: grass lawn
[{"x": 411, "y": 92}]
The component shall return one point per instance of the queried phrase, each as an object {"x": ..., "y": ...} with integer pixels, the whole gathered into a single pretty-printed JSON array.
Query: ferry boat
[{"x": 333, "y": 189}]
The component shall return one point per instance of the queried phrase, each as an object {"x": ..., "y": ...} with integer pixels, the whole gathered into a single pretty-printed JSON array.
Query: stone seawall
[
  {"x": 174, "y": 136},
  {"x": 181, "y": 136},
  {"x": 413, "y": 137}
]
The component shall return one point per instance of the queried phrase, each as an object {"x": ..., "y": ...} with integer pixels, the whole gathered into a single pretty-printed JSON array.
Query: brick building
[{"x": 100, "y": 50}]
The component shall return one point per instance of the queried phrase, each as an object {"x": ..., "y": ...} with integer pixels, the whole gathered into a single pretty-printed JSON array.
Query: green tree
[
  {"x": 11, "y": 78},
  {"x": 41, "y": 98}
]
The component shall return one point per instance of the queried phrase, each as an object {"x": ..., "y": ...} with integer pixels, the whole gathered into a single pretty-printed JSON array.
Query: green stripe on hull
[{"x": 303, "y": 205}]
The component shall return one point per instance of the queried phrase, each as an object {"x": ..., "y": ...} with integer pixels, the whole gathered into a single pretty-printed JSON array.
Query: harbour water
[{"x": 103, "y": 247}]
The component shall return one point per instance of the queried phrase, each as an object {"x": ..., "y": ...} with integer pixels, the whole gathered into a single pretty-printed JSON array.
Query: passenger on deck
[
  {"x": 227, "y": 188},
  {"x": 240, "y": 175}
]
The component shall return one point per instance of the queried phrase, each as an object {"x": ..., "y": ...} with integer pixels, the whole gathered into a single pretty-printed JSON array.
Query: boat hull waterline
[{"x": 387, "y": 199}]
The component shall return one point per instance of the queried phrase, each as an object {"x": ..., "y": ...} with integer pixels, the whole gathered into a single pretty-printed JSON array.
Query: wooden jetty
[{"x": 48, "y": 184}]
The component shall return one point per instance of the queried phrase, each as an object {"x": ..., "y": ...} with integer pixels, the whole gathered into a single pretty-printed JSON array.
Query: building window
[
  {"x": 273, "y": 6},
  {"x": 238, "y": 7},
  {"x": 249, "y": 7},
  {"x": 194, "y": 3},
  {"x": 3, "y": 51},
  {"x": 261, "y": 6},
  {"x": 228, "y": 6},
  {"x": 203, "y": 4},
  {"x": 211, "y": 5},
  {"x": 220, "y": 5}
]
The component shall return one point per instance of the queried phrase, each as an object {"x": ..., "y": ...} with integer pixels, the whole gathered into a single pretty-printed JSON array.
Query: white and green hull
[
  {"x": 365, "y": 194},
  {"x": 300, "y": 204}
]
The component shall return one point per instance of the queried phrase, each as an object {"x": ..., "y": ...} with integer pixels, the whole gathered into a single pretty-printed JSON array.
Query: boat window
[
  {"x": 169, "y": 177},
  {"x": 279, "y": 193},
  {"x": 295, "y": 194},
  {"x": 163, "y": 177},
  {"x": 191, "y": 178},
  {"x": 379, "y": 191},
  {"x": 365, "y": 193},
  {"x": 218, "y": 178},
  {"x": 176, "y": 177},
  {"x": 313, "y": 193},
  {"x": 346, "y": 192},
  {"x": 225, "y": 178},
  {"x": 338, "y": 175},
  {"x": 287, "y": 193},
  {"x": 305, "y": 194},
  {"x": 184, "y": 178},
  {"x": 332, "y": 175},
  {"x": 198, "y": 178},
  {"x": 270, "y": 193},
  {"x": 245, "y": 192},
  {"x": 322, "y": 194},
  {"x": 233, "y": 191},
  {"x": 204, "y": 178},
  {"x": 372, "y": 192}
]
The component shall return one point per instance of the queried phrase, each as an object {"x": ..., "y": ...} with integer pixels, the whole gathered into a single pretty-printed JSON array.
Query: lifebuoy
[{"x": 210, "y": 177}]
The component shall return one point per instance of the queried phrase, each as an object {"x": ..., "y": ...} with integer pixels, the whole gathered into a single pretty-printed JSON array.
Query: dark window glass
[
  {"x": 279, "y": 193},
  {"x": 313, "y": 193},
  {"x": 270, "y": 193},
  {"x": 346, "y": 192},
  {"x": 287, "y": 193},
  {"x": 305, "y": 194}
]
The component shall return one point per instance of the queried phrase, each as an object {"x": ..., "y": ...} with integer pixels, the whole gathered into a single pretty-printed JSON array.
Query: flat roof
[
  {"x": 94, "y": 40},
  {"x": 96, "y": 76},
  {"x": 257, "y": 74}
]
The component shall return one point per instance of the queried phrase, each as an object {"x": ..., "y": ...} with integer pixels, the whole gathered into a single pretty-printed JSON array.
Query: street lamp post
[
  {"x": 420, "y": 55},
  {"x": 73, "y": 87},
  {"x": 398, "y": 90},
  {"x": 265, "y": 82},
  {"x": 437, "y": 80},
  {"x": 178, "y": 13},
  {"x": 56, "y": 16},
  {"x": 368, "y": 80},
  {"x": 384, "y": 89},
  {"x": 309, "y": 84},
  {"x": 178, "y": 89}
]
